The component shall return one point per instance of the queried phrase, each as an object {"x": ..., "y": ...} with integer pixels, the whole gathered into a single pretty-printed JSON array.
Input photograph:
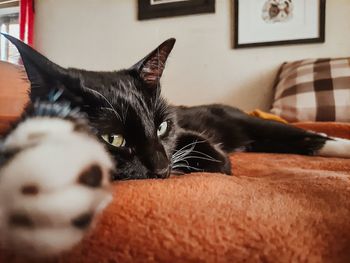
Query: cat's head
[{"x": 125, "y": 107}]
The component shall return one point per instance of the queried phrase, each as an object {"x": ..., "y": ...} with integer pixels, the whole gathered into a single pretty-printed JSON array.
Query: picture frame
[
  {"x": 149, "y": 9},
  {"x": 273, "y": 22}
]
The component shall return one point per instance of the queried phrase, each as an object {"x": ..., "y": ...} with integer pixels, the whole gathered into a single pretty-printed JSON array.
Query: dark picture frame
[
  {"x": 319, "y": 39},
  {"x": 170, "y": 8}
]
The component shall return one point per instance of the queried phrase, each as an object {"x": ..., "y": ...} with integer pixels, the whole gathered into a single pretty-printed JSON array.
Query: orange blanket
[{"x": 276, "y": 208}]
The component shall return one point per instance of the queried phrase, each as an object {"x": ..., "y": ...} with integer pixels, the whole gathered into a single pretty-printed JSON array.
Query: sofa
[{"x": 274, "y": 208}]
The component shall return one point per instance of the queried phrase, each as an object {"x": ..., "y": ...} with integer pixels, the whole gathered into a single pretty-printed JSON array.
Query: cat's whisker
[
  {"x": 184, "y": 154},
  {"x": 205, "y": 155},
  {"x": 201, "y": 158},
  {"x": 183, "y": 164},
  {"x": 189, "y": 167},
  {"x": 179, "y": 162},
  {"x": 190, "y": 144},
  {"x": 186, "y": 146},
  {"x": 181, "y": 154},
  {"x": 183, "y": 151},
  {"x": 179, "y": 158}
]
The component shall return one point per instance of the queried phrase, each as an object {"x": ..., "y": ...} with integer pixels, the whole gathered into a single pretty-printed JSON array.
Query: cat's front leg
[
  {"x": 198, "y": 153},
  {"x": 54, "y": 180}
]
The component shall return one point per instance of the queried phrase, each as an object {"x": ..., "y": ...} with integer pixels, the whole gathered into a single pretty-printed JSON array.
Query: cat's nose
[{"x": 162, "y": 173}]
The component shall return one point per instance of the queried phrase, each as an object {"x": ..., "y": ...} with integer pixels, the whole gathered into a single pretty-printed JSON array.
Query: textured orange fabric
[
  {"x": 336, "y": 129},
  {"x": 276, "y": 208}
]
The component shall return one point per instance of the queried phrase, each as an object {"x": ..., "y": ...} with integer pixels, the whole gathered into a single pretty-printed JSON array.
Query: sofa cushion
[{"x": 313, "y": 90}]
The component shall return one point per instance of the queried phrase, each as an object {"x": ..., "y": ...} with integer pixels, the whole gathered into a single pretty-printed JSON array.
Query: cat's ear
[
  {"x": 151, "y": 67},
  {"x": 41, "y": 72}
]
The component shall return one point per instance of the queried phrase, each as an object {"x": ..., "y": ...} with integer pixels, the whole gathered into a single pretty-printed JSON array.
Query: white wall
[{"x": 203, "y": 67}]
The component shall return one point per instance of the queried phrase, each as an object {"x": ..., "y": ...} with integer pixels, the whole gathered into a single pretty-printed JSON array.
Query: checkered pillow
[{"x": 313, "y": 90}]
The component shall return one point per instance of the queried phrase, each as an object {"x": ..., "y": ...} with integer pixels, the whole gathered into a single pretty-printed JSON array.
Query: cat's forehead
[
  {"x": 120, "y": 88},
  {"x": 106, "y": 79}
]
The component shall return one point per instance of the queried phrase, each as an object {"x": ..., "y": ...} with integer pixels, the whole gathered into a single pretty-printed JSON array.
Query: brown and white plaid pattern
[{"x": 313, "y": 90}]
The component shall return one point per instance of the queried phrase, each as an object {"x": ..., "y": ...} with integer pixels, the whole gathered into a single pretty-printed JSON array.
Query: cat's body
[
  {"x": 146, "y": 136},
  {"x": 236, "y": 130}
]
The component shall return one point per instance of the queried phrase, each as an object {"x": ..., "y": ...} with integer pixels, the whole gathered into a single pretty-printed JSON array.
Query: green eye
[
  {"x": 162, "y": 129},
  {"x": 116, "y": 140}
]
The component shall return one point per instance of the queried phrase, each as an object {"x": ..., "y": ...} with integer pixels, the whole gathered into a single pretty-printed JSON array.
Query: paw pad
[
  {"x": 83, "y": 221},
  {"x": 92, "y": 176},
  {"x": 30, "y": 190},
  {"x": 20, "y": 220}
]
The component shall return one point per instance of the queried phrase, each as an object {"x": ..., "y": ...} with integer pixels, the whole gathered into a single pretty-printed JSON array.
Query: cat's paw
[{"x": 54, "y": 180}]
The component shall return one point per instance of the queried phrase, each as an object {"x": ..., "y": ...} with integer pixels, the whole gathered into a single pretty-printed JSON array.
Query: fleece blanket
[{"x": 275, "y": 208}]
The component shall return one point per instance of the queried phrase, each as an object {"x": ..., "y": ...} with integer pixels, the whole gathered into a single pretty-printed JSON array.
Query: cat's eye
[
  {"x": 116, "y": 140},
  {"x": 162, "y": 129}
]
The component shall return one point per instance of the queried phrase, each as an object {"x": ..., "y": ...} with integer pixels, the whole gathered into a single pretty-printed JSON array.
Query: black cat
[{"x": 147, "y": 137}]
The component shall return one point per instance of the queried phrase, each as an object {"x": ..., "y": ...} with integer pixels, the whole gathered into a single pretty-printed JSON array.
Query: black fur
[
  {"x": 129, "y": 102},
  {"x": 235, "y": 129}
]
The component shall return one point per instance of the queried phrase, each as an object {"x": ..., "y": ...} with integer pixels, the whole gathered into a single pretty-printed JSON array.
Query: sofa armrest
[{"x": 14, "y": 88}]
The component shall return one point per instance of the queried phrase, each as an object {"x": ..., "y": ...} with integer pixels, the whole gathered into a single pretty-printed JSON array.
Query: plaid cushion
[{"x": 313, "y": 90}]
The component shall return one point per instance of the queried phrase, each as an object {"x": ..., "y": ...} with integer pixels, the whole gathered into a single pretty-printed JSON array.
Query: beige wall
[{"x": 203, "y": 68}]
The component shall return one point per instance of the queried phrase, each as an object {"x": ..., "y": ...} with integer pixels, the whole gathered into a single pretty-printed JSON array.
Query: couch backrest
[{"x": 14, "y": 86}]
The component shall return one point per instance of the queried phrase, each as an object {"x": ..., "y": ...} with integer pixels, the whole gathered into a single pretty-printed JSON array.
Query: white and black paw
[
  {"x": 335, "y": 147},
  {"x": 54, "y": 180}
]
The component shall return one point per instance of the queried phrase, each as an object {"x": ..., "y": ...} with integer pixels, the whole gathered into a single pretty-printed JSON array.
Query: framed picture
[
  {"x": 278, "y": 22},
  {"x": 148, "y": 9}
]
